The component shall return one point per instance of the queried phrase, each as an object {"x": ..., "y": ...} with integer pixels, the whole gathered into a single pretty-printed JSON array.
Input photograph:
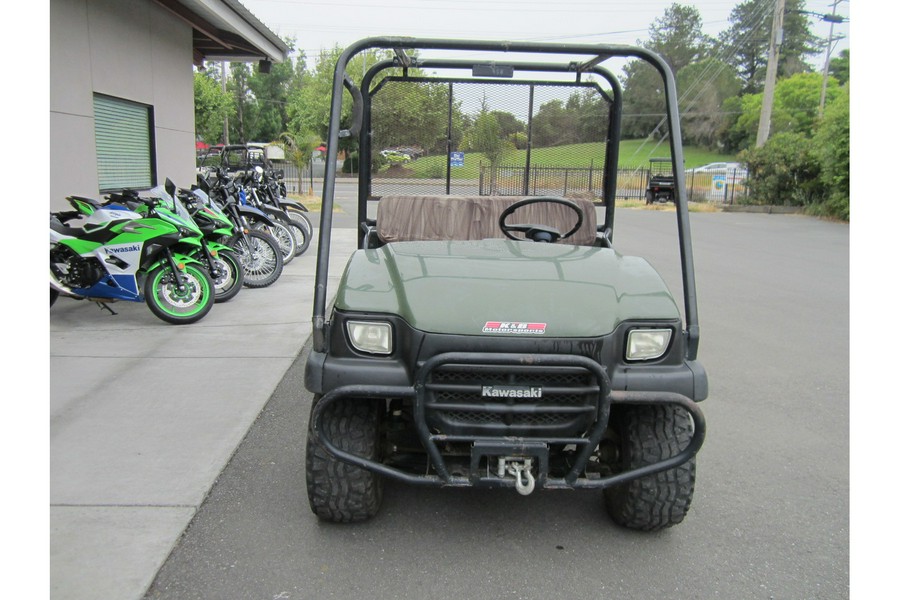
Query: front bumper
[{"x": 580, "y": 424}]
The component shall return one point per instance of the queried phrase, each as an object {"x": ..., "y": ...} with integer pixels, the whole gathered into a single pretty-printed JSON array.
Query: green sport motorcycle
[
  {"x": 180, "y": 205},
  {"x": 223, "y": 263},
  {"x": 120, "y": 254}
]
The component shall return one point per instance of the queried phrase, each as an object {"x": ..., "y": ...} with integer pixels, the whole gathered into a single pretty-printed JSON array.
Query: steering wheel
[{"x": 535, "y": 232}]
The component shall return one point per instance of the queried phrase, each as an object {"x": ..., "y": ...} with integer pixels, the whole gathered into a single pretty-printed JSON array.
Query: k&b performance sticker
[{"x": 514, "y": 328}]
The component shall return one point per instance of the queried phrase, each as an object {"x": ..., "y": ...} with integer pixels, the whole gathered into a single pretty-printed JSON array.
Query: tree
[
  {"x": 270, "y": 93},
  {"x": 310, "y": 108},
  {"x": 704, "y": 88},
  {"x": 745, "y": 44},
  {"x": 839, "y": 68},
  {"x": 832, "y": 143},
  {"x": 211, "y": 106},
  {"x": 245, "y": 107},
  {"x": 554, "y": 125},
  {"x": 486, "y": 136},
  {"x": 677, "y": 36},
  {"x": 412, "y": 114},
  {"x": 794, "y": 109},
  {"x": 299, "y": 148}
]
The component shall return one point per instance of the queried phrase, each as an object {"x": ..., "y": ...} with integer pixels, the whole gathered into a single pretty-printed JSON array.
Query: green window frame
[{"x": 123, "y": 132}]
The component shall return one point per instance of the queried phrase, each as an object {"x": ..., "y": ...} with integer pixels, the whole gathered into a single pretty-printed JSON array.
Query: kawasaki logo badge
[
  {"x": 510, "y": 391},
  {"x": 121, "y": 249},
  {"x": 514, "y": 327}
]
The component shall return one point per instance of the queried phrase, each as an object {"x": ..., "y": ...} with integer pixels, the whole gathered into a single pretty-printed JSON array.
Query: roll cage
[{"x": 591, "y": 56}]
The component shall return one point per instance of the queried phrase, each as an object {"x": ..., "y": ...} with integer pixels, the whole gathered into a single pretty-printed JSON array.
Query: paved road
[{"x": 770, "y": 517}]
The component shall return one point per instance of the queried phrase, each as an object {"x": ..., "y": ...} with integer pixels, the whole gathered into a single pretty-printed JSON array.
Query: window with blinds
[{"x": 124, "y": 136}]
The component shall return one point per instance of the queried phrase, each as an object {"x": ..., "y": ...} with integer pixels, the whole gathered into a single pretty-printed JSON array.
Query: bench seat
[{"x": 436, "y": 218}]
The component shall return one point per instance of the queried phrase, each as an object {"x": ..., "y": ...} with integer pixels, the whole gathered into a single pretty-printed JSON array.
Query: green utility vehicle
[
  {"x": 498, "y": 340},
  {"x": 660, "y": 181}
]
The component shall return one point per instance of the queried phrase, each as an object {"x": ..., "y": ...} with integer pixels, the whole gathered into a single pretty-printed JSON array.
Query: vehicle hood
[{"x": 503, "y": 287}]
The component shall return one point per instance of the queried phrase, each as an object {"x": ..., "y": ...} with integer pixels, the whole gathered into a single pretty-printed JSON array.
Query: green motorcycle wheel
[{"x": 179, "y": 306}]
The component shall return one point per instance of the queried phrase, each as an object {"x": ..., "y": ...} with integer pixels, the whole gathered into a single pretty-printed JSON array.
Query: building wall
[{"x": 130, "y": 49}]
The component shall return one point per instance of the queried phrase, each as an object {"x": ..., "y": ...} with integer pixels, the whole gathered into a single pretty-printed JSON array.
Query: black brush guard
[{"x": 428, "y": 409}]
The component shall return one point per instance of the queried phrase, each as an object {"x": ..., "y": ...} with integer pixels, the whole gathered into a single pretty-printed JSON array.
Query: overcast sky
[{"x": 320, "y": 24}]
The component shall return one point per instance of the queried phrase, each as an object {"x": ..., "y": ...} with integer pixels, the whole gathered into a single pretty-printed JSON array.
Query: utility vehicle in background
[
  {"x": 660, "y": 182},
  {"x": 498, "y": 341}
]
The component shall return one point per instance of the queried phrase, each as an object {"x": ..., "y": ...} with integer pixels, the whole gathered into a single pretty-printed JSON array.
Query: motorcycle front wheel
[
  {"x": 284, "y": 236},
  {"x": 301, "y": 234},
  {"x": 260, "y": 257},
  {"x": 229, "y": 275},
  {"x": 298, "y": 215},
  {"x": 179, "y": 304}
]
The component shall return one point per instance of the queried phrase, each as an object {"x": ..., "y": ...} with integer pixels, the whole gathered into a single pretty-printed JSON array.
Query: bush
[
  {"x": 784, "y": 172},
  {"x": 832, "y": 141},
  {"x": 351, "y": 163}
]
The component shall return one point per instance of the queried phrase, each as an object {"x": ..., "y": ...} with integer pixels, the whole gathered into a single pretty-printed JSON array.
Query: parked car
[
  {"x": 732, "y": 171},
  {"x": 718, "y": 167},
  {"x": 396, "y": 156}
]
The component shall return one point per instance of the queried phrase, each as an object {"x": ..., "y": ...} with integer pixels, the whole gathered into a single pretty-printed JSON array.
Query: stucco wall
[{"x": 130, "y": 49}]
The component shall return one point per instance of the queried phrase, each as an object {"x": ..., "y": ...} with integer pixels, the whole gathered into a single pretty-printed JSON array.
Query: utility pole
[
  {"x": 765, "y": 117},
  {"x": 224, "y": 79},
  {"x": 831, "y": 21}
]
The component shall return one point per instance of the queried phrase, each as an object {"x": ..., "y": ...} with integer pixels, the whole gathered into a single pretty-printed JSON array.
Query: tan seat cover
[{"x": 434, "y": 218}]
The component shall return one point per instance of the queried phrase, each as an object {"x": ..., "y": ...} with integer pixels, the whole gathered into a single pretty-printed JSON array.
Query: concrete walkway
[{"x": 145, "y": 415}]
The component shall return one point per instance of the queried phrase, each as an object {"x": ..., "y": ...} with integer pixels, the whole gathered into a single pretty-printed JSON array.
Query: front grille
[{"x": 456, "y": 402}]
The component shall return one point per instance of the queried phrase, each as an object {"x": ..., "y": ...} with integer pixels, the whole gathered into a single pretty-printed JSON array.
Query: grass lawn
[{"x": 632, "y": 153}]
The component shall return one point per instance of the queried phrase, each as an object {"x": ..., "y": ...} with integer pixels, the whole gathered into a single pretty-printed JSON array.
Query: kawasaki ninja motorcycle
[
  {"x": 119, "y": 254},
  {"x": 178, "y": 206}
]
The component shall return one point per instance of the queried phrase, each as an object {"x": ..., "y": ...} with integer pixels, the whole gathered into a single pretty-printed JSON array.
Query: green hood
[{"x": 502, "y": 287}]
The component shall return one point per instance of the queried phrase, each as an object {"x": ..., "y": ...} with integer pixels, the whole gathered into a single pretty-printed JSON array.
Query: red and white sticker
[{"x": 514, "y": 327}]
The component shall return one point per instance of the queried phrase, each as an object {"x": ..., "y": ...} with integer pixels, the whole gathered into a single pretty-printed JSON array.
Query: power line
[{"x": 722, "y": 59}]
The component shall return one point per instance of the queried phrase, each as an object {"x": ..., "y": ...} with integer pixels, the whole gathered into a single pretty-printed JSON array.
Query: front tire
[
  {"x": 284, "y": 236},
  {"x": 53, "y": 296},
  {"x": 338, "y": 491},
  {"x": 299, "y": 215},
  {"x": 184, "y": 305},
  {"x": 260, "y": 258},
  {"x": 229, "y": 275},
  {"x": 649, "y": 434},
  {"x": 301, "y": 234}
]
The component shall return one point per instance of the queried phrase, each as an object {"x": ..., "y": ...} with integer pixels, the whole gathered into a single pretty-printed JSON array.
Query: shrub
[
  {"x": 832, "y": 142},
  {"x": 784, "y": 172},
  {"x": 351, "y": 163}
]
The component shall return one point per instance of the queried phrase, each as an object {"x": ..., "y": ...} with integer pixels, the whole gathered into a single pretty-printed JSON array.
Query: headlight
[
  {"x": 647, "y": 344},
  {"x": 375, "y": 338}
]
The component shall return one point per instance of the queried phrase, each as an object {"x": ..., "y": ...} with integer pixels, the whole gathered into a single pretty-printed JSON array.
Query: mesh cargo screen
[{"x": 436, "y": 136}]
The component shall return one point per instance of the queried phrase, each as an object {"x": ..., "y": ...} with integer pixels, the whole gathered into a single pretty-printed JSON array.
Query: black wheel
[
  {"x": 284, "y": 236},
  {"x": 301, "y": 234},
  {"x": 648, "y": 434},
  {"x": 53, "y": 296},
  {"x": 649, "y": 196},
  {"x": 229, "y": 276},
  {"x": 299, "y": 215},
  {"x": 183, "y": 303},
  {"x": 260, "y": 258},
  {"x": 338, "y": 491}
]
